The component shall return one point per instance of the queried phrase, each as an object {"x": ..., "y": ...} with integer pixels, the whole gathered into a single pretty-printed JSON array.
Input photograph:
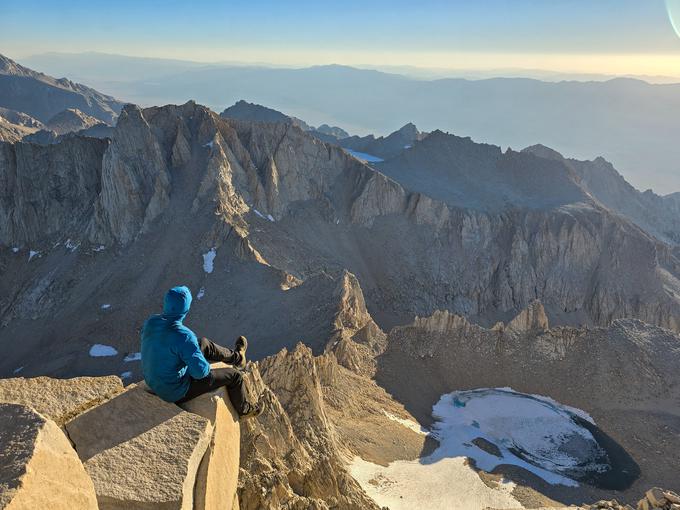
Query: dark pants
[{"x": 219, "y": 377}]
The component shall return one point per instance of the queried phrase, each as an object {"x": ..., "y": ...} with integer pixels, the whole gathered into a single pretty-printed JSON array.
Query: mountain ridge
[
  {"x": 241, "y": 190},
  {"x": 42, "y": 96}
]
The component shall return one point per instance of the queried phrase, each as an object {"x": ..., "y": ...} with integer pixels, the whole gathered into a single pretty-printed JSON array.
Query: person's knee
[
  {"x": 203, "y": 342},
  {"x": 237, "y": 378}
]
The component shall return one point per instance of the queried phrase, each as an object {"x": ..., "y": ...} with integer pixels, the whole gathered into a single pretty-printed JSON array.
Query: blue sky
[{"x": 436, "y": 33}]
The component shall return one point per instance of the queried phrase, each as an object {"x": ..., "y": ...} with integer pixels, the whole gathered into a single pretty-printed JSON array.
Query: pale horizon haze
[{"x": 613, "y": 37}]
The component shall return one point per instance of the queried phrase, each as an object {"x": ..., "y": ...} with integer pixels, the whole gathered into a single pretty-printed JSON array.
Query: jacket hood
[{"x": 177, "y": 302}]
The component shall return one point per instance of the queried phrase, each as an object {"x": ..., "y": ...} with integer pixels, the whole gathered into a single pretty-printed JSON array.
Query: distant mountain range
[
  {"x": 630, "y": 122},
  {"x": 42, "y": 96},
  {"x": 39, "y": 108}
]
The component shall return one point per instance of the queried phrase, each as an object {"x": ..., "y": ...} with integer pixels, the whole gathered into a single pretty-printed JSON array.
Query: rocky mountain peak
[
  {"x": 409, "y": 130},
  {"x": 11, "y": 68},
  {"x": 544, "y": 152},
  {"x": 242, "y": 110},
  {"x": 532, "y": 319},
  {"x": 71, "y": 120}
]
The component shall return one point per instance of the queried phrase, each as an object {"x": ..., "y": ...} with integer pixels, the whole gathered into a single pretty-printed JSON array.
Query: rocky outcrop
[
  {"x": 20, "y": 119},
  {"x": 59, "y": 399},
  {"x": 217, "y": 476},
  {"x": 71, "y": 120},
  {"x": 38, "y": 466},
  {"x": 290, "y": 456},
  {"x": 141, "y": 451},
  {"x": 137, "y": 451},
  {"x": 657, "y": 498},
  {"x": 654, "y": 499},
  {"x": 11, "y": 132},
  {"x": 319, "y": 416},
  {"x": 530, "y": 320},
  {"x": 356, "y": 338}
]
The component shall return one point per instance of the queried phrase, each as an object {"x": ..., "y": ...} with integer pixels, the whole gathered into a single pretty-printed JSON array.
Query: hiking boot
[
  {"x": 254, "y": 410},
  {"x": 240, "y": 347}
]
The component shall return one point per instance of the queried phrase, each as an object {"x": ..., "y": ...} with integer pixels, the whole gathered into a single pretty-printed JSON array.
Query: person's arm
[{"x": 190, "y": 353}]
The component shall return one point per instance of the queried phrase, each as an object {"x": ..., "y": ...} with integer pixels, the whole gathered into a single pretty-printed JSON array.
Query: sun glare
[{"x": 673, "y": 7}]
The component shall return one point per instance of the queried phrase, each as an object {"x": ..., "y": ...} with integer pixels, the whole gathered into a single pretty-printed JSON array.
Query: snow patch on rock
[
  {"x": 71, "y": 245},
  {"x": 362, "y": 156},
  {"x": 133, "y": 356},
  {"x": 409, "y": 424},
  {"x": 101, "y": 350},
  {"x": 208, "y": 259}
]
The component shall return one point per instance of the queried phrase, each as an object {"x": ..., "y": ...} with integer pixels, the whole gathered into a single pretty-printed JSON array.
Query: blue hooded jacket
[{"x": 171, "y": 355}]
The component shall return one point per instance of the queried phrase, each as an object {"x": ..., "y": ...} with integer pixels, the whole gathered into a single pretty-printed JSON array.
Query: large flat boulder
[
  {"x": 141, "y": 452},
  {"x": 38, "y": 467},
  {"x": 59, "y": 399},
  {"x": 218, "y": 473}
]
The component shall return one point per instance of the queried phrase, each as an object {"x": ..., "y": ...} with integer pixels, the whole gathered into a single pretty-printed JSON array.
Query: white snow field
[
  {"x": 532, "y": 432},
  {"x": 208, "y": 259},
  {"x": 447, "y": 484},
  {"x": 529, "y": 431},
  {"x": 101, "y": 350},
  {"x": 409, "y": 424},
  {"x": 362, "y": 156}
]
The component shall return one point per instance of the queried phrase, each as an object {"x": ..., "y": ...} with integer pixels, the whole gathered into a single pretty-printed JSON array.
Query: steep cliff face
[
  {"x": 292, "y": 457},
  {"x": 47, "y": 192},
  {"x": 135, "y": 180}
]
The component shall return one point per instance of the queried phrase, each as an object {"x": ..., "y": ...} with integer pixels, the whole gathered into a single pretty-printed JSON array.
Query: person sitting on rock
[{"x": 176, "y": 364}]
